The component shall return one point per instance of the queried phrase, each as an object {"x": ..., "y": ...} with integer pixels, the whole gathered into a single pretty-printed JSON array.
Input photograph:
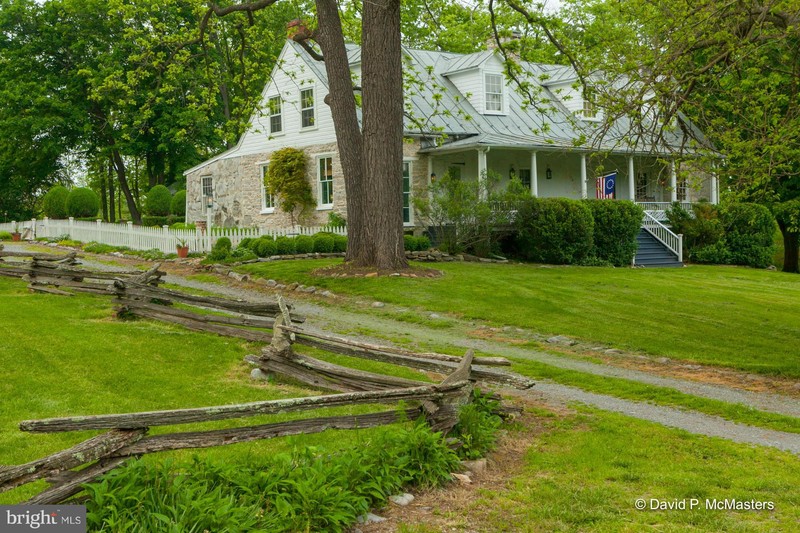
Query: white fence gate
[{"x": 147, "y": 238}]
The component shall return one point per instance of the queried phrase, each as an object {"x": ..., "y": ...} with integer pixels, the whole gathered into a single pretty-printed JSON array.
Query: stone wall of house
[{"x": 238, "y": 195}]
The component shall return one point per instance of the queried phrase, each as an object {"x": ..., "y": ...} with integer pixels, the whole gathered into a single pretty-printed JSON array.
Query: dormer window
[
  {"x": 494, "y": 93},
  {"x": 589, "y": 111}
]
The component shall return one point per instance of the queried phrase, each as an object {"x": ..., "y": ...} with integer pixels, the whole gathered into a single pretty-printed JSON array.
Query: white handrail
[{"x": 664, "y": 235}]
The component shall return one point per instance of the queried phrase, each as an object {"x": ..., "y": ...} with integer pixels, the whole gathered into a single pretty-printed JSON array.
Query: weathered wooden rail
[{"x": 127, "y": 434}]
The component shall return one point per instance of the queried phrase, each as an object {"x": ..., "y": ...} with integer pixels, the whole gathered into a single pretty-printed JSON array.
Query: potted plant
[
  {"x": 16, "y": 236},
  {"x": 183, "y": 248}
]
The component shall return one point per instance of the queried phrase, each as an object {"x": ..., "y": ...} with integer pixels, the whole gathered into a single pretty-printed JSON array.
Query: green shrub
[
  {"x": 5, "y": 236},
  {"x": 286, "y": 179},
  {"x": 157, "y": 221},
  {"x": 54, "y": 203},
  {"x": 304, "y": 491},
  {"x": 423, "y": 243},
  {"x": 175, "y": 219},
  {"x": 323, "y": 243},
  {"x": 303, "y": 244},
  {"x": 221, "y": 249},
  {"x": 181, "y": 225},
  {"x": 339, "y": 243},
  {"x": 247, "y": 242},
  {"x": 98, "y": 248},
  {"x": 477, "y": 426},
  {"x": 158, "y": 201},
  {"x": 616, "y": 224},
  {"x": 265, "y": 247},
  {"x": 749, "y": 230},
  {"x": 284, "y": 245},
  {"x": 409, "y": 243},
  {"x": 335, "y": 220},
  {"x": 82, "y": 202},
  {"x": 553, "y": 230},
  {"x": 177, "y": 205},
  {"x": 714, "y": 254},
  {"x": 700, "y": 228},
  {"x": 242, "y": 254}
]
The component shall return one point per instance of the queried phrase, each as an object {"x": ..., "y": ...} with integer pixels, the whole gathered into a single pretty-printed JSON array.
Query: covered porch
[{"x": 652, "y": 181}]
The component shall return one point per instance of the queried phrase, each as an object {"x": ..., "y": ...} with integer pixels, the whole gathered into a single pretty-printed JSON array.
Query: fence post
[
  {"x": 129, "y": 235},
  {"x": 167, "y": 241},
  {"x": 45, "y": 222},
  {"x": 33, "y": 229},
  {"x": 71, "y": 224}
]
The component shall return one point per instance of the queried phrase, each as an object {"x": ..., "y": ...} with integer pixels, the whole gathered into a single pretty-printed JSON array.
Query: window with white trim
[
  {"x": 307, "y": 116},
  {"x": 525, "y": 177},
  {"x": 208, "y": 191},
  {"x": 589, "y": 110},
  {"x": 267, "y": 199},
  {"x": 275, "y": 108},
  {"x": 493, "y": 84},
  {"x": 406, "y": 192},
  {"x": 325, "y": 175},
  {"x": 682, "y": 189}
]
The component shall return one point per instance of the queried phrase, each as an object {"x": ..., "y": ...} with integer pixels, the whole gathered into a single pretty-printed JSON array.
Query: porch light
[
  {"x": 433, "y": 177},
  {"x": 512, "y": 172},
  {"x": 548, "y": 173}
]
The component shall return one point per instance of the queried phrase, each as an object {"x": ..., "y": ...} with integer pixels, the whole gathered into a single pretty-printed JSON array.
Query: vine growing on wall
[{"x": 286, "y": 180}]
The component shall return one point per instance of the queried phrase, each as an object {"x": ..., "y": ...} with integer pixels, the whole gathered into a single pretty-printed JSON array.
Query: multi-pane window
[
  {"x": 307, "y": 119},
  {"x": 589, "y": 110},
  {"x": 494, "y": 93},
  {"x": 641, "y": 187},
  {"x": 325, "y": 182},
  {"x": 406, "y": 192},
  {"x": 681, "y": 190},
  {"x": 208, "y": 191},
  {"x": 525, "y": 177},
  {"x": 275, "y": 107},
  {"x": 267, "y": 199}
]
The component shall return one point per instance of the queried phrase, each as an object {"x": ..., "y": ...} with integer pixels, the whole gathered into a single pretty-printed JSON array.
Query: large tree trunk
[
  {"x": 112, "y": 215},
  {"x": 381, "y": 60},
  {"x": 791, "y": 249},
  {"x": 348, "y": 133},
  {"x": 119, "y": 166}
]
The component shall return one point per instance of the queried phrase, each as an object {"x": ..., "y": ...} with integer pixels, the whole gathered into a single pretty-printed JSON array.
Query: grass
[
  {"x": 68, "y": 356},
  {"x": 733, "y": 317},
  {"x": 586, "y": 471}
]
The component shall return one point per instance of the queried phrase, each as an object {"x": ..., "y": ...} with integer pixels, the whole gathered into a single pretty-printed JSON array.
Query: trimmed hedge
[
  {"x": 155, "y": 221},
  {"x": 616, "y": 224},
  {"x": 303, "y": 244},
  {"x": 323, "y": 243},
  {"x": 416, "y": 244},
  {"x": 82, "y": 203},
  {"x": 54, "y": 204},
  {"x": 221, "y": 249},
  {"x": 285, "y": 245},
  {"x": 554, "y": 230},
  {"x": 265, "y": 247},
  {"x": 158, "y": 201},
  {"x": 339, "y": 243},
  {"x": 177, "y": 205},
  {"x": 749, "y": 230}
]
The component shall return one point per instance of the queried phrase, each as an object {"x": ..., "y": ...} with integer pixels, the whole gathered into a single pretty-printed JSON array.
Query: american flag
[{"x": 606, "y": 186}]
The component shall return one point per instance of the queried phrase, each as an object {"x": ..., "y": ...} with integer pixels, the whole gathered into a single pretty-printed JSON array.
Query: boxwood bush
[
  {"x": 54, "y": 204},
  {"x": 159, "y": 221},
  {"x": 158, "y": 201},
  {"x": 221, "y": 249},
  {"x": 265, "y": 247},
  {"x": 616, "y": 224},
  {"x": 323, "y": 243},
  {"x": 749, "y": 230},
  {"x": 82, "y": 203},
  {"x": 553, "y": 230},
  {"x": 303, "y": 244},
  {"x": 339, "y": 243},
  {"x": 285, "y": 245}
]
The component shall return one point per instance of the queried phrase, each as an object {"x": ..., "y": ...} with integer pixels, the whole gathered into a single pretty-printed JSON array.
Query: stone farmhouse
[{"x": 463, "y": 117}]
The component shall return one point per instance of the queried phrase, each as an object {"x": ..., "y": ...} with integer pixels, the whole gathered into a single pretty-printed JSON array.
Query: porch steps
[{"x": 652, "y": 254}]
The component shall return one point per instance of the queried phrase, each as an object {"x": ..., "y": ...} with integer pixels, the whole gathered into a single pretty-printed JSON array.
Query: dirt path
[{"x": 378, "y": 325}]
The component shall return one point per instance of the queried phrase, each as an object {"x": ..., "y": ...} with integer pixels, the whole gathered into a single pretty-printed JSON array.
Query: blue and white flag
[{"x": 607, "y": 186}]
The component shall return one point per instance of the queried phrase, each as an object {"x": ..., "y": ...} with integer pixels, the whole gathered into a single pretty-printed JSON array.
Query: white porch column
[
  {"x": 482, "y": 172},
  {"x": 534, "y": 176},
  {"x": 673, "y": 182},
  {"x": 714, "y": 188},
  {"x": 631, "y": 180},
  {"x": 583, "y": 176},
  {"x": 430, "y": 168}
]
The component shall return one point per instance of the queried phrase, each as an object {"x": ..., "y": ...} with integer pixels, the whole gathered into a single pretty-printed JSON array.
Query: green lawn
[
  {"x": 586, "y": 471},
  {"x": 734, "y": 317}
]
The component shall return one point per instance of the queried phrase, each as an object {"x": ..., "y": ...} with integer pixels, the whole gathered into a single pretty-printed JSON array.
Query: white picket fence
[{"x": 148, "y": 238}]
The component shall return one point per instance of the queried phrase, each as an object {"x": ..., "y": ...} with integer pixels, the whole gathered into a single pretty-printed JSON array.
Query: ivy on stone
[{"x": 286, "y": 180}]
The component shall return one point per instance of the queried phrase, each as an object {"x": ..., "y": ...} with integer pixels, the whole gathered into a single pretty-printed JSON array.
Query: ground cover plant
[{"x": 734, "y": 317}]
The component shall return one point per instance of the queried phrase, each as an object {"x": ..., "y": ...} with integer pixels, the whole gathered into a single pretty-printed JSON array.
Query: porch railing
[
  {"x": 658, "y": 230},
  {"x": 659, "y": 209}
]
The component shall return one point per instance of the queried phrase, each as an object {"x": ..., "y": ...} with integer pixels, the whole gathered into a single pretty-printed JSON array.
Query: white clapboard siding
[{"x": 159, "y": 238}]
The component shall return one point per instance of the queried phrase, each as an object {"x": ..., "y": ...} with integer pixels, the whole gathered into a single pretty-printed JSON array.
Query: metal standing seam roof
[{"x": 437, "y": 103}]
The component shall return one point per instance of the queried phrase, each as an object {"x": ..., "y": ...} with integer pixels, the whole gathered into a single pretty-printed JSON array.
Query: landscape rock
[
  {"x": 292, "y": 286},
  {"x": 402, "y": 499},
  {"x": 260, "y": 281},
  {"x": 434, "y": 316},
  {"x": 613, "y": 351},
  {"x": 378, "y": 304},
  {"x": 238, "y": 277},
  {"x": 271, "y": 283},
  {"x": 370, "y": 518},
  {"x": 259, "y": 375},
  {"x": 478, "y": 466},
  {"x": 462, "y": 478},
  {"x": 560, "y": 339},
  {"x": 327, "y": 294}
]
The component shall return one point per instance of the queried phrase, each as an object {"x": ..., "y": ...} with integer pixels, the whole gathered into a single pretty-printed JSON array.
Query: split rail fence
[{"x": 126, "y": 435}]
